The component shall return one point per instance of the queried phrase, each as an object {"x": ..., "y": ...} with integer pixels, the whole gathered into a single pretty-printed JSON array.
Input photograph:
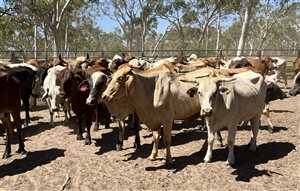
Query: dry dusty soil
[{"x": 57, "y": 161}]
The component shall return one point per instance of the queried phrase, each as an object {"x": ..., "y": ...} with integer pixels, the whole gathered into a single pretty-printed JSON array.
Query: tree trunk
[
  {"x": 245, "y": 27},
  {"x": 35, "y": 41},
  {"x": 160, "y": 39},
  {"x": 143, "y": 37},
  {"x": 218, "y": 33},
  {"x": 56, "y": 43},
  {"x": 66, "y": 40}
]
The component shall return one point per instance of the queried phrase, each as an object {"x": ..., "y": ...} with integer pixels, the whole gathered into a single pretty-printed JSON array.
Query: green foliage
[{"x": 190, "y": 21}]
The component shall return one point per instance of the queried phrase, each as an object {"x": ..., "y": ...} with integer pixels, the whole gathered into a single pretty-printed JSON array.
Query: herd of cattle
[{"x": 224, "y": 93}]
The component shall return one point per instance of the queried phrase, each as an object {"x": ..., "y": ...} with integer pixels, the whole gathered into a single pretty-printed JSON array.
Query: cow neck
[{"x": 144, "y": 83}]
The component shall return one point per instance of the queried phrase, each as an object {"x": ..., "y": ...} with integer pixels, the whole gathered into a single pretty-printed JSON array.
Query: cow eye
[
  {"x": 57, "y": 82},
  {"x": 120, "y": 79}
]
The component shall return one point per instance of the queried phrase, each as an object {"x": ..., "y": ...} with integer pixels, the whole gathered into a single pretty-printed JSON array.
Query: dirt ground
[{"x": 57, "y": 161}]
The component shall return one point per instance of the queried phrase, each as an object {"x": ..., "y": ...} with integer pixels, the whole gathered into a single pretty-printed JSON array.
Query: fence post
[
  {"x": 220, "y": 53},
  {"x": 298, "y": 53},
  {"x": 259, "y": 53}
]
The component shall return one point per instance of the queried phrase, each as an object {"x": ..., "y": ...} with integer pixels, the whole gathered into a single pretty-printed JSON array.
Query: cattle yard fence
[{"x": 18, "y": 56}]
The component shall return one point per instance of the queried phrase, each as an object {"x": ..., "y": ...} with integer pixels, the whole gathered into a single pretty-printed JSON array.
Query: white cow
[
  {"x": 226, "y": 101},
  {"x": 279, "y": 70},
  {"x": 52, "y": 94}
]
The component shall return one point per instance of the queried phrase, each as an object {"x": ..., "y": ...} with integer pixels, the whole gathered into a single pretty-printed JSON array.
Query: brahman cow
[
  {"x": 226, "y": 101},
  {"x": 295, "y": 88},
  {"x": 158, "y": 99},
  {"x": 277, "y": 71},
  {"x": 296, "y": 65},
  {"x": 10, "y": 103},
  {"x": 69, "y": 81},
  {"x": 52, "y": 94},
  {"x": 97, "y": 85}
]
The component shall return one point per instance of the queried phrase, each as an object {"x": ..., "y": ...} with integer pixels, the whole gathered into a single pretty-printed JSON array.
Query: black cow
[
  {"x": 27, "y": 77},
  {"x": 295, "y": 88},
  {"x": 274, "y": 92}
]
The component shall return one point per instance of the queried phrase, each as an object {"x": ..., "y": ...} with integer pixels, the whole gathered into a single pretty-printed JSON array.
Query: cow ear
[
  {"x": 84, "y": 86},
  {"x": 128, "y": 84},
  {"x": 78, "y": 78},
  {"x": 192, "y": 91},
  {"x": 224, "y": 90}
]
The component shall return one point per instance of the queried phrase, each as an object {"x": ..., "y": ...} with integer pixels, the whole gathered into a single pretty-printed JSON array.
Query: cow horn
[
  {"x": 203, "y": 75},
  {"x": 60, "y": 58},
  {"x": 189, "y": 81},
  {"x": 224, "y": 79}
]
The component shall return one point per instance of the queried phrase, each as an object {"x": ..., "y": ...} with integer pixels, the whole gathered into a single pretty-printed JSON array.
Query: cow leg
[
  {"x": 219, "y": 139},
  {"x": 51, "y": 123},
  {"x": 88, "y": 119},
  {"x": 255, "y": 122},
  {"x": 51, "y": 118},
  {"x": 119, "y": 145},
  {"x": 79, "y": 122},
  {"x": 17, "y": 121},
  {"x": 8, "y": 129},
  {"x": 167, "y": 141},
  {"x": 96, "y": 125},
  {"x": 65, "y": 108},
  {"x": 67, "y": 105},
  {"x": 266, "y": 112},
  {"x": 26, "y": 105},
  {"x": 155, "y": 136},
  {"x": 231, "y": 140},
  {"x": 284, "y": 77},
  {"x": 136, "y": 123},
  {"x": 33, "y": 101},
  {"x": 210, "y": 141}
]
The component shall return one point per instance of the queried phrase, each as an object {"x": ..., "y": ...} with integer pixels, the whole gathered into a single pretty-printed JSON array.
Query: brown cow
[
  {"x": 69, "y": 82},
  {"x": 10, "y": 102},
  {"x": 296, "y": 66}
]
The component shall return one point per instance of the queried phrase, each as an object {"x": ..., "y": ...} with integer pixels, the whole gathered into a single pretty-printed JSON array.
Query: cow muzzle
[
  {"x": 91, "y": 101},
  {"x": 106, "y": 97},
  {"x": 206, "y": 112}
]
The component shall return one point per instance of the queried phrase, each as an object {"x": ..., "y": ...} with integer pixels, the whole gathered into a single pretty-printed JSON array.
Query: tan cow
[
  {"x": 226, "y": 101},
  {"x": 158, "y": 99}
]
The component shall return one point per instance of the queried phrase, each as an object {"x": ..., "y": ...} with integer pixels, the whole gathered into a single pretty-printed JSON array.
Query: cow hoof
[
  {"x": 137, "y": 145},
  {"x": 229, "y": 163},
  {"x": 152, "y": 157},
  {"x": 21, "y": 151},
  {"x": 270, "y": 130},
  {"x": 119, "y": 147},
  {"x": 79, "y": 137},
  {"x": 220, "y": 145},
  {"x": 88, "y": 142},
  {"x": 6, "y": 155}
]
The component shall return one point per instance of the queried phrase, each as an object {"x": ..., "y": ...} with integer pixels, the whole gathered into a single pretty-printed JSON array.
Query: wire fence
[
  {"x": 286, "y": 53},
  {"x": 20, "y": 56}
]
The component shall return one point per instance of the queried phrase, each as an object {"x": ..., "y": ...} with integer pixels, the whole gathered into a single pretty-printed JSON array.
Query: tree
[{"x": 244, "y": 32}]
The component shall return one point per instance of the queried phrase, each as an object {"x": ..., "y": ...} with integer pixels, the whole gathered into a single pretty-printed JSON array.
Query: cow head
[
  {"x": 120, "y": 83},
  {"x": 207, "y": 89},
  {"x": 295, "y": 88},
  {"x": 65, "y": 80},
  {"x": 274, "y": 92},
  {"x": 97, "y": 85}
]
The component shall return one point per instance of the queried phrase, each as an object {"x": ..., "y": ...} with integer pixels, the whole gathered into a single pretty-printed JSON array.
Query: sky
[{"x": 109, "y": 25}]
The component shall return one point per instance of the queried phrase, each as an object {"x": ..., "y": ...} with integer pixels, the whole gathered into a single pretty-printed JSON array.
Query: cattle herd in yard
[{"x": 223, "y": 92}]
